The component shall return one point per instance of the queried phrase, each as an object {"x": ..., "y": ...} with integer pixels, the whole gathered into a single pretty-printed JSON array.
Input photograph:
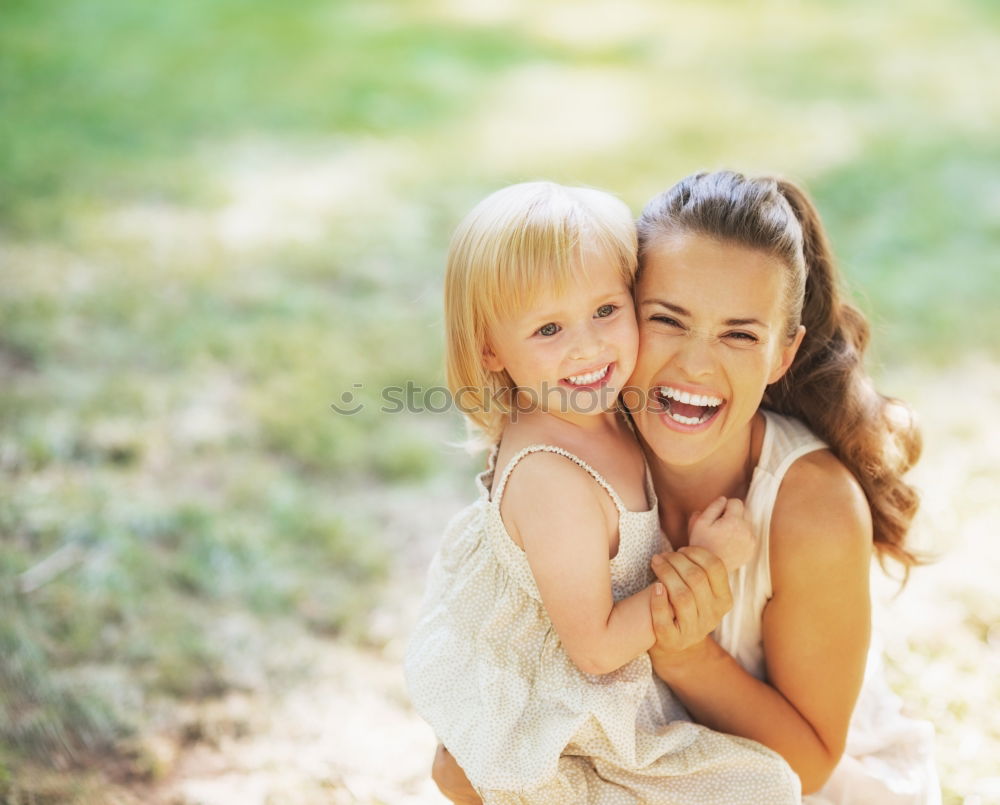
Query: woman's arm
[
  {"x": 815, "y": 627},
  {"x": 565, "y": 524}
]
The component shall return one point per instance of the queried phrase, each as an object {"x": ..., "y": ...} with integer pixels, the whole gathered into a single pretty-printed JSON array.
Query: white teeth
[
  {"x": 688, "y": 420},
  {"x": 587, "y": 379},
  {"x": 690, "y": 399}
]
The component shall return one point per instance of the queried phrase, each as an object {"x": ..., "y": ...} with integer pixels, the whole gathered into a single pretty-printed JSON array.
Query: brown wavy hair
[{"x": 827, "y": 386}]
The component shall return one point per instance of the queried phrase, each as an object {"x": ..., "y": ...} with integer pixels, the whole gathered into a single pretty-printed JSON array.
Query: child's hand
[{"x": 723, "y": 529}]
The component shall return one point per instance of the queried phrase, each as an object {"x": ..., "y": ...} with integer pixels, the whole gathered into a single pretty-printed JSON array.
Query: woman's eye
[
  {"x": 548, "y": 329},
  {"x": 604, "y": 311},
  {"x": 746, "y": 338},
  {"x": 661, "y": 319}
]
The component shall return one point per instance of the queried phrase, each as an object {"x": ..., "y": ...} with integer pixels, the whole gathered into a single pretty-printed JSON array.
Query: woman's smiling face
[{"x": 711, "y": 338}]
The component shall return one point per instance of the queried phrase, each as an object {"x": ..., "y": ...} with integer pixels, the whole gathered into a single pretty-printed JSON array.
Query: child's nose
[{"x": 587, "y": 343}]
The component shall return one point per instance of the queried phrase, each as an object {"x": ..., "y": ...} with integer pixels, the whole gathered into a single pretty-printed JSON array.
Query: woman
[{"x": 738, "y": 304}]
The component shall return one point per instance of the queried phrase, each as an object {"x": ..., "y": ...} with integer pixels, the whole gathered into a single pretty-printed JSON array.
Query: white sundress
[
  {"x": 889, "y": 759},
  {"x": 486, "y": 669}
]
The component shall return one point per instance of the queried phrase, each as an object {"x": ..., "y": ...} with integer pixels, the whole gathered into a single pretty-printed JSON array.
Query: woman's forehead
[{"x": 703, "y": 272}]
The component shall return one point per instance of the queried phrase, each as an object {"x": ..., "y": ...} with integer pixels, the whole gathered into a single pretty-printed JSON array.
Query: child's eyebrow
[
  {"x": 680, "y": 311},
  {"x": 609, "y": 293},
  {"x": 556, "y": 312}
]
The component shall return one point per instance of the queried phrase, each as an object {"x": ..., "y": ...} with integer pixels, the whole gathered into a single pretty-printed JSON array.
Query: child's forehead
[
  {"x": 553, "y": 277},
  {"x": 589, "y": 284},
  {"x": 592, "y": 276}
]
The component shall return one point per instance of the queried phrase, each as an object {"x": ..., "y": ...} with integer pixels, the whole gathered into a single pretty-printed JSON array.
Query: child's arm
[
  {"x": 553, "y": 509},
  {"x": 722, "y": 528}
]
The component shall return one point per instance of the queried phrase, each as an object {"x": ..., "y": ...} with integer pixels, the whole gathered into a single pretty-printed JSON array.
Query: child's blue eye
[
  {"x": 548, "y": 329},
  {"x": 604, "y": 311}
]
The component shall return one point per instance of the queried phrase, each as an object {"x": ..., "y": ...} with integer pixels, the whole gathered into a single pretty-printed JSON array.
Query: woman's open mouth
[
  {"x": 593, "y": 379},
  {"x": 684, "y": 408}
]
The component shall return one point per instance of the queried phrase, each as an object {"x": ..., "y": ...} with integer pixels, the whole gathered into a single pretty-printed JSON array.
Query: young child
[{"x": 529, "y": 657}]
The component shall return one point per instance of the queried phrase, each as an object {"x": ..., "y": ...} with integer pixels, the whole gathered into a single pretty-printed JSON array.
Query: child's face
[{"x": 572, "y": 352}]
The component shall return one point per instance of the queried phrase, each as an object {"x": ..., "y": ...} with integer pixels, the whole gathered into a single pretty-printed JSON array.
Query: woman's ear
[
  {"x": 787, "y": 355},
  {"x": 490, "y": 360}
]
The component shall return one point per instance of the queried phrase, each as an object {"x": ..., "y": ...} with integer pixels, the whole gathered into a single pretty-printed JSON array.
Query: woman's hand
[
  {"x": 688, "y": 603},
  {"x": 451, "y": 780}
]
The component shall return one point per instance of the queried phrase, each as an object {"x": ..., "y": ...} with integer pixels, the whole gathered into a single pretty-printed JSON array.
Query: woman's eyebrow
[
  {"x": 680, "y": 311},
  {"x": 668, "y": 305},
  {"x": 745, "y": 322}
]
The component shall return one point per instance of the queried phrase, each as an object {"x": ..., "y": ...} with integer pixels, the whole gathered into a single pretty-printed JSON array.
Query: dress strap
[
  {"x": 549, "y": 448},
  {"x": 491, "y": 458}
]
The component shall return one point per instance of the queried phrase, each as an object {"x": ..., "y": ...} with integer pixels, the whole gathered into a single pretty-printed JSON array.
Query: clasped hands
[
  {"x": 689, "y": 600},
  {"x": 692, "y": 591}
]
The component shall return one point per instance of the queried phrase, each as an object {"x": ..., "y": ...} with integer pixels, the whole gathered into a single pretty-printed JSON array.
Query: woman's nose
[{"x": 694, "y": 355}]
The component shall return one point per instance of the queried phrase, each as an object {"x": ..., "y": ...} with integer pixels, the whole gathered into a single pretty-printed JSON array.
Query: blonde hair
[{"x": 514, "y": 244}]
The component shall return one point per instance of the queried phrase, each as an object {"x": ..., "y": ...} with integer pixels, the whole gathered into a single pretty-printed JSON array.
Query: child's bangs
[
  {"x": 533, "y": 240},
  {"x": 615, "y": 243},
  {"x": 535, "y": 267}
]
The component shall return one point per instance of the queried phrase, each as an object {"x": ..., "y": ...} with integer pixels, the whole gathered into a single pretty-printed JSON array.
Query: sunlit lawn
[{"x": 219, "y": 217}]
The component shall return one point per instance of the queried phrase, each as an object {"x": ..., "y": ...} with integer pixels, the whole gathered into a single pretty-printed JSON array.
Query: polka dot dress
[{"x": 486, "y": 669}]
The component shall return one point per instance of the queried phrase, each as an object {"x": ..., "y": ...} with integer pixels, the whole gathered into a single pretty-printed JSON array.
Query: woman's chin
[{"x": 675, "y": 443}]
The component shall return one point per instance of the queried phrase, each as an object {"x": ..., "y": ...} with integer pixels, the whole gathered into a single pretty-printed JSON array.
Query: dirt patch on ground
[{"x": 347, "y": 735}]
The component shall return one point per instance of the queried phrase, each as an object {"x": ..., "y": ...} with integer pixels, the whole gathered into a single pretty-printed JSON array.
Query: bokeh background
[{"x": 219, "y": 217}]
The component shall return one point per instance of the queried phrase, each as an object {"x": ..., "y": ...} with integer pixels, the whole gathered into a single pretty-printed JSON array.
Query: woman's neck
[{"x": 688, "y": 489}]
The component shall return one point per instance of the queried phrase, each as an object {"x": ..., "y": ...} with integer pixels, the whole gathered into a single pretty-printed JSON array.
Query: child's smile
[{"x": 590, "y": 380}]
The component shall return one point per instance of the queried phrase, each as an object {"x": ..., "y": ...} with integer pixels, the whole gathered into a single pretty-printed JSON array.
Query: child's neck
[
  {"x": 598, "y": 438},
  {"x": 606, "y": 424},
  {"x": 604, "y": 441}
]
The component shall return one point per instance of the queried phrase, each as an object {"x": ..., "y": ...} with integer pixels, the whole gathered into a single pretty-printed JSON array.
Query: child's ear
[{"x": 490, "y": 360}]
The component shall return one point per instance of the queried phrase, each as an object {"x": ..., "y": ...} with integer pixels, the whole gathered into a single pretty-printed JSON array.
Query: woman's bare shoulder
[{"x": 821, "y": 516}]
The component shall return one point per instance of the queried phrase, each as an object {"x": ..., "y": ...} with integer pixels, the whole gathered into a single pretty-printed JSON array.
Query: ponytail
[{"x": 828, "y": 388}]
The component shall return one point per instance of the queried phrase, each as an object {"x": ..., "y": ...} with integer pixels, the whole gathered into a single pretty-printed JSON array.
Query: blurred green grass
[{"x": 217, "y": 217}]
